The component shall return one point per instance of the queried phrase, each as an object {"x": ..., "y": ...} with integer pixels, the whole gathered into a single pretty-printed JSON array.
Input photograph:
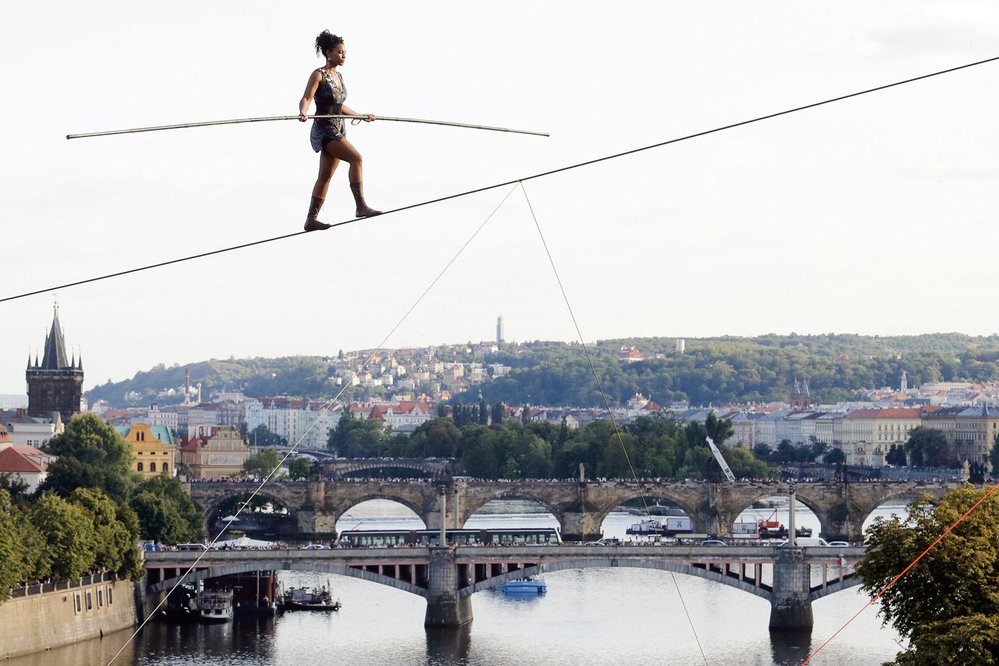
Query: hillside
[{"x": 711, "y": 370}]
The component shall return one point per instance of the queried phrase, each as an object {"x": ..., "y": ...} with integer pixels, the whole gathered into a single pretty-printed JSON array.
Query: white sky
[{"x": 876, "y": 215}]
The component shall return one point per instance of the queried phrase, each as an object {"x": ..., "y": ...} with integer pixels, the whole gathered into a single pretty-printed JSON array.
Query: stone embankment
[{"x": 51, "y": 615}]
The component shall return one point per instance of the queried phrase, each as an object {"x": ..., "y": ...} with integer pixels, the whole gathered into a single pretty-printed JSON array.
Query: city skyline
[{"x": 871, "y": 216}]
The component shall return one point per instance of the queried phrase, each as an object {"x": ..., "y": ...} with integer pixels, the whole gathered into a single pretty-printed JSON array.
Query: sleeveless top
[{"x": 329, "y": 100}]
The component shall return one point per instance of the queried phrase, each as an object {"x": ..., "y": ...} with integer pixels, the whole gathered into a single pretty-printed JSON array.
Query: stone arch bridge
[
  {"x": 579, "y": 507},
  {"x": 790, "y": 579}
]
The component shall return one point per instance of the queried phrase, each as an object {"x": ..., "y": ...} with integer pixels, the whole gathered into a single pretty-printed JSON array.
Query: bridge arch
[
  {"x": 211, "y": 508},
  {"x": 472, "y": 506},
  {"x": 381, "y": 494},
  {"x": 285, "y": 565},
  {"x": 604, "y": 509},
  {"x": 763, "y": 591}
]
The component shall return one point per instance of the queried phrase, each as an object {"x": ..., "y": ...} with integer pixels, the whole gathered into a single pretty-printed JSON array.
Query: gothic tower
[{"x": 55, "y": 384}]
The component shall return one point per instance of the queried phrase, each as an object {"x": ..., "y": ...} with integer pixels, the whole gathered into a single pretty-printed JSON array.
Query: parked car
[
  {"x": 713, "y": 542},
  {"x": 608, "y": 541},
  {"x": 839, "y": 544}
]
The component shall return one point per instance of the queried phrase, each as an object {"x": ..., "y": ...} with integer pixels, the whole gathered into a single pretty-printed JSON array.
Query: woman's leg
[
  {"x": 343, "y": 150},
  {"x": 327, "y": 165}
]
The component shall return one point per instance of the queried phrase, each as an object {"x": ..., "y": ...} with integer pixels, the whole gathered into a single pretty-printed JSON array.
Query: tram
[{"x": 534, "y": 536}]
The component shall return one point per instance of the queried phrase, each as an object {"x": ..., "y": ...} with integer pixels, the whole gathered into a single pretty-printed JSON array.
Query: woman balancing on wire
[{"x": 328, "y": 135}]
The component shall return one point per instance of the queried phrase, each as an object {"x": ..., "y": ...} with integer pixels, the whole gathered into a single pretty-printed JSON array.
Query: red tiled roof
[
  {"x": 888, "y": 413},
  {"x": 12, "y": 461}
]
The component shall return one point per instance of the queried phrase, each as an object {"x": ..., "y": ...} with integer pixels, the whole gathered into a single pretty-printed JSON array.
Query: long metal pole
[{"x": 264, "y": 119}]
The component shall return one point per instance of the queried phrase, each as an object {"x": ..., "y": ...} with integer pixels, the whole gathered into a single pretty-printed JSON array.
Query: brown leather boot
[
  {"x": 363, "y": 210},
  {"x": 312, "y": 222}
]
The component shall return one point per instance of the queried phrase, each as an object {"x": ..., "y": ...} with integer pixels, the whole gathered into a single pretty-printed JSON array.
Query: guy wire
[{"x": 326, "y": 407}]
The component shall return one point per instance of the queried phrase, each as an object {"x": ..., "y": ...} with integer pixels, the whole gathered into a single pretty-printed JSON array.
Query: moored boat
[
  {"x": 303, "y": 598},
  {"x": 215, "y": 606}
]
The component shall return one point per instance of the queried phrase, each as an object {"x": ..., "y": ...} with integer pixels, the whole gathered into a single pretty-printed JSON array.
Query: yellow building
[
  {"x": 153, "y": 450},
  {"x": 218, "y": 455}
]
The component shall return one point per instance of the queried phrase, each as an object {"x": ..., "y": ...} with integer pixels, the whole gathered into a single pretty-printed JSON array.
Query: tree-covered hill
[
  {"x": 294, "y": 375},
  {"x": 710, "y": 371},
  {"x": 730, "y": 369}
]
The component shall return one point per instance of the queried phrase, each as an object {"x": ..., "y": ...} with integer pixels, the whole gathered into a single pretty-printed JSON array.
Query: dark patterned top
[{"x": 330, "y": 99}]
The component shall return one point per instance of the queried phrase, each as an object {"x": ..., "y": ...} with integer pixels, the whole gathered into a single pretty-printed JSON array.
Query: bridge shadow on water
[
  {"x": 449, "y": 646},
  {"x": 790, "y": 648}
]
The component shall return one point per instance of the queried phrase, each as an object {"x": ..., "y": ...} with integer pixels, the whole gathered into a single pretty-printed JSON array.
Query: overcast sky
[{"x": 875, "y": 215}]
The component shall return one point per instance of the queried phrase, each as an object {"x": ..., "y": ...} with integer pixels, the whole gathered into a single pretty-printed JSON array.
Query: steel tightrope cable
[{"x": 543, "y": 174}]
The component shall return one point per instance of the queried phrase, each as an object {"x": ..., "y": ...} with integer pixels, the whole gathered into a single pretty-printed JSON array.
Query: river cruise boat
[
  {"x": 525, "y": 586},
  {"x": 215, "y": 606}
]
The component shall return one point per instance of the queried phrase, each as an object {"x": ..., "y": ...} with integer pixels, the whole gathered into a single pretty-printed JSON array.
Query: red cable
[{"x": 904, "y": 571}]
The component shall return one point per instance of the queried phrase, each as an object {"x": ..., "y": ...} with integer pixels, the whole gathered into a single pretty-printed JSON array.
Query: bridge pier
[
  {"x": 791, "y": 604},
  {"x": 580, "y": 526},
  {"x": 444, "y": 607},
  {"x": 316, "y": 524}
]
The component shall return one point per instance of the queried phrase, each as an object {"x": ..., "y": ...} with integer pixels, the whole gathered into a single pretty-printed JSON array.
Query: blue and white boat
[{"x": 525, "y": 586}]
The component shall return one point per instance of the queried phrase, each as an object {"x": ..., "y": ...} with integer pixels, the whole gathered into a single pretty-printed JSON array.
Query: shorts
[{"x": 322, "y": 134}]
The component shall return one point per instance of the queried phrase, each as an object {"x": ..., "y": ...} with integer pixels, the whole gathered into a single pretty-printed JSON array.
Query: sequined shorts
[{"x": 322, "y": 134}]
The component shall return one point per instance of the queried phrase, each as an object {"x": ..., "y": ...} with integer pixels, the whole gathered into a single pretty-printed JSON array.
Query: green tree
[
  {"x": 300, "y": 468},
  {"x": 438, "y": 437},
  {"x": 837, "y": 457},
  {"x": 948, "y": 604},
  {"x": 262, "y": 464},
  {"x": 895, "y": 456},
  {"x": 15, "y": 485},
  {"x": 116, "y": 531},
  {"x": 745, "y": 465},
  {"x": 91, "y": 454},
  {"x": 262, "y": 436},
  {"x": 165, "y": 511},
  {"x": 13, "y": 568},
  {"x": 928, "y": 447},
  {"x": 358, "y": 438},
  {"x": 69, "y": 534}
]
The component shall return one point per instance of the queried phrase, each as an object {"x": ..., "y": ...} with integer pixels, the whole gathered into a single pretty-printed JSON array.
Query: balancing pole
[{"x": 237, "y": 121}]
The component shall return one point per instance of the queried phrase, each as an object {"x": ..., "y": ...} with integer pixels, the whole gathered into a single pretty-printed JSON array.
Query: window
[
  {"x": 152, "y": 467},
  {"x": 77, "y": 600},
  {"x": 139, "y": 467},
  {"x": 110, "y": 599},
  {"x": 90, "y": 601},
  {"x": 166, "y": 467},
  {"x": 100, "y": 598}
]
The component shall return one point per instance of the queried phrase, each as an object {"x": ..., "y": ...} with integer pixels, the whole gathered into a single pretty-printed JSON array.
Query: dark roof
[{"x": 55, "y": 357}]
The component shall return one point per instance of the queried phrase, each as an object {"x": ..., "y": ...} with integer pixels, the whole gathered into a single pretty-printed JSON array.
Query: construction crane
[{"x": 721, "y": 461}]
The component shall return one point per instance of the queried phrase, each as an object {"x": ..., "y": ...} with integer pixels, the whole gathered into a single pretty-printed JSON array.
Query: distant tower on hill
[
  {"x": 905, "y": 382},
  {"x": 801, "y": 398},
  {"x": 681, "y": 345},
  {"x": 499, "y": 330},
  {"x": 55, "y": 384}
]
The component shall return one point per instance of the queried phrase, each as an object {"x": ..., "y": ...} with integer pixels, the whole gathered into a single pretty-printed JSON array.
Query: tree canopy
[
  {"x": 947, "y": 605},
  {"x": 91, "y": 455},
  {"x": 165, "y": 511}
]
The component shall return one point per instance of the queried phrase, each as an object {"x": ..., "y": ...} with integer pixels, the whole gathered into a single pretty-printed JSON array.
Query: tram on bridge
[{"x": 540, "y": 536}]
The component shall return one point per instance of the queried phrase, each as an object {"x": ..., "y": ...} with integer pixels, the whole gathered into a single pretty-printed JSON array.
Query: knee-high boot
[
  {"x": 312, "y": 222},
  {"x": 363, "y": 210}
]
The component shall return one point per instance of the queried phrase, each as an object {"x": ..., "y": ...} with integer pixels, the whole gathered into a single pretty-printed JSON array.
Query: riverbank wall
[{"x": 43, "y": 617}]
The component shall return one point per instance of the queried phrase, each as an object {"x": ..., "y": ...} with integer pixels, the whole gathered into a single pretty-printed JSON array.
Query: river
[{"x": 633, "y": 616}]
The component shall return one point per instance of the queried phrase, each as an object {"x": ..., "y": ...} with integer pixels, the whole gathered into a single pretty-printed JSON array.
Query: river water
[{"x": 633, "y": 616}]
